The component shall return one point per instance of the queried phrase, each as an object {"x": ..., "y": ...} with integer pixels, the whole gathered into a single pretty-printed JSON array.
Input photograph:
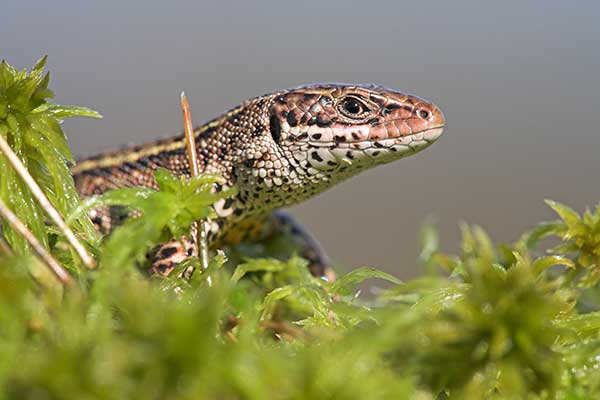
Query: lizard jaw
[{"x": 331, "y": 155}]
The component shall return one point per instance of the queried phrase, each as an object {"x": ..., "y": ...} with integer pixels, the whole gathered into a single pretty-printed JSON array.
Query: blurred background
[{"x": 517, "y": 80}]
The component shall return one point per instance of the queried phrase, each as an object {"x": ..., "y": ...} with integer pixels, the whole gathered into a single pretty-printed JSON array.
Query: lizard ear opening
[{"x": 275, "y": 128}]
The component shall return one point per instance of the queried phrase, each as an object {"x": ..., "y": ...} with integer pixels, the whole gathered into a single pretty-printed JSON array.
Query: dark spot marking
[
  {"x": 312, "y": 121},
  {"x": 373, "y": 121},
  {"x": 378, "y": 144},
  {"x": 237, "y": 212},
  {"x": 331, "y": 163},
  {"x": 376, "y": 99},
  {"x": 206, "y": 134},
  {"x": 190, "y": 252},
  {"x": 280, "y": 100},
  {"x": 349, "y": 155},
  {"x": 355, "y": 136},
  {"x": 164, "y": 268},
  {"x": 376, "y": 153},
  {"x": 317, "y": 136},
  {"x": 168, "y": 251},
  {"x": 131, "y": 165},
  {"x": 322, "y": 121},
  {"x": 291, "y": 119},
  {"x": 228, "y": 203},
  {"x": 316, "y": 156},
  {"x": 302, "y": 136},
  {"x": 233, "y": 120},
  {"x": 275, "y": 128},
  {"x": 143, "y": 162},
  {"x": 340, "y": 139},
  {"x": 393, "y": 149},
  {"x": 259, "y": 130}
]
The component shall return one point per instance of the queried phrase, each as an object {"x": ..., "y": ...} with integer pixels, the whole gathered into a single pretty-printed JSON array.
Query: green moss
[{"x": 491, "y": 322}]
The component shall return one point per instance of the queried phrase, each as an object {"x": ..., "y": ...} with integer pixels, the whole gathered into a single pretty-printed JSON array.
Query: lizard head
[
  {"x": 352, "y": 127},
  {"x": 322, "y": 134}
]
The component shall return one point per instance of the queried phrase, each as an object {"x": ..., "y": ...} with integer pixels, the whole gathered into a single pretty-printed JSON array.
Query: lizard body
[{"x": 278, "y": 149}]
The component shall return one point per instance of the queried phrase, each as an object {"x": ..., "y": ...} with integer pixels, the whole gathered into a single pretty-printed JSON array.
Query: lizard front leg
[
  {"x": 168, "y": 255},
  {"x": 278, "y": 235},
  {"x": 279, "y": 225},
  {"x": 309, "y": 248}
]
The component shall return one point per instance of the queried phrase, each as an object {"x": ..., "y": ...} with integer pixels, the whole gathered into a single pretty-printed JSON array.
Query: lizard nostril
[{"x": 423, "y": 114}]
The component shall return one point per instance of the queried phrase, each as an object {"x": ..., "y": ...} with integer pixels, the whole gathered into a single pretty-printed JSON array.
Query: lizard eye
[{"x": 353, "y": 108}]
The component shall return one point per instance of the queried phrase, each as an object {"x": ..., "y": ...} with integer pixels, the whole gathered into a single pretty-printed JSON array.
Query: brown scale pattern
[{"x": 278, "y": 150}]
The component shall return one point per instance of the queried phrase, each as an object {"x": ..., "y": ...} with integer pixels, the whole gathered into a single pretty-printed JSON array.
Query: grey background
[{"x": 517, "y": 80}]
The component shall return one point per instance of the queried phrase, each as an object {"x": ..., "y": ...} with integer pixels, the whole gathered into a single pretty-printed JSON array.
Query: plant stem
[
  {"x": 45, "y": 203},
  {"x": 39, "y": 249},
  {"x": 190, "y": 143}
]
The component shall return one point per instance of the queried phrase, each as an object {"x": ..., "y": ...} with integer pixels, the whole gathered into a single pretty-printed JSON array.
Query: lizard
[{"x": 277, "y": 150}]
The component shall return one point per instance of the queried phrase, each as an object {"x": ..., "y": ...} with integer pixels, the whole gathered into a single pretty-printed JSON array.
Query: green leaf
[
  {"x": 40, "y": 64},
  {"x": 257, "y": 265},
  {"x": 50, "y": 129},
  {"x": 567, "y": 214},
  {"x": 119, "y": 197},
  {"x": 167, "y": 181},
  {"x": 531, "y": 238},
  {"x": 543, "y": 263},
  {"x": 62, "y": 112},
  {"x": 346, "y": 284}
]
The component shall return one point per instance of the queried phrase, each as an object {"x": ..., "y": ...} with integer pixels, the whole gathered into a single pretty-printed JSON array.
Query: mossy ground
[{"x": 495, "y": 321}]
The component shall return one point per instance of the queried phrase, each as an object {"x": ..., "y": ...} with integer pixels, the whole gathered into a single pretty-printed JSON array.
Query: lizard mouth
[
  {"x": 385, "y": 150},
  {"x": 429, "y": 135},
  {"x": 329, "y": 155}
]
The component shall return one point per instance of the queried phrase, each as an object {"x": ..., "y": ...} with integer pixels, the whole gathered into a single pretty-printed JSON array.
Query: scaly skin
[{"x": 278, "y": 150}]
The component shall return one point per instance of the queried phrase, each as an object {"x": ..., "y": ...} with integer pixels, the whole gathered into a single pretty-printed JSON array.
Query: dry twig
[
  {"x": 39, "y": 249},
  {"x": 5, "y": 247},
  {"x": 190, "y": 143}
]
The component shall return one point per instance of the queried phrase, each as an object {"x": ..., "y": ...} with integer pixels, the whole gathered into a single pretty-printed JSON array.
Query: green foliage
[
  {"x": 31, "y": 125},
  {"x": 168, "y": 213},
  {"x": 580, "y": 237},
  {"x": 493, "y": 322}
]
